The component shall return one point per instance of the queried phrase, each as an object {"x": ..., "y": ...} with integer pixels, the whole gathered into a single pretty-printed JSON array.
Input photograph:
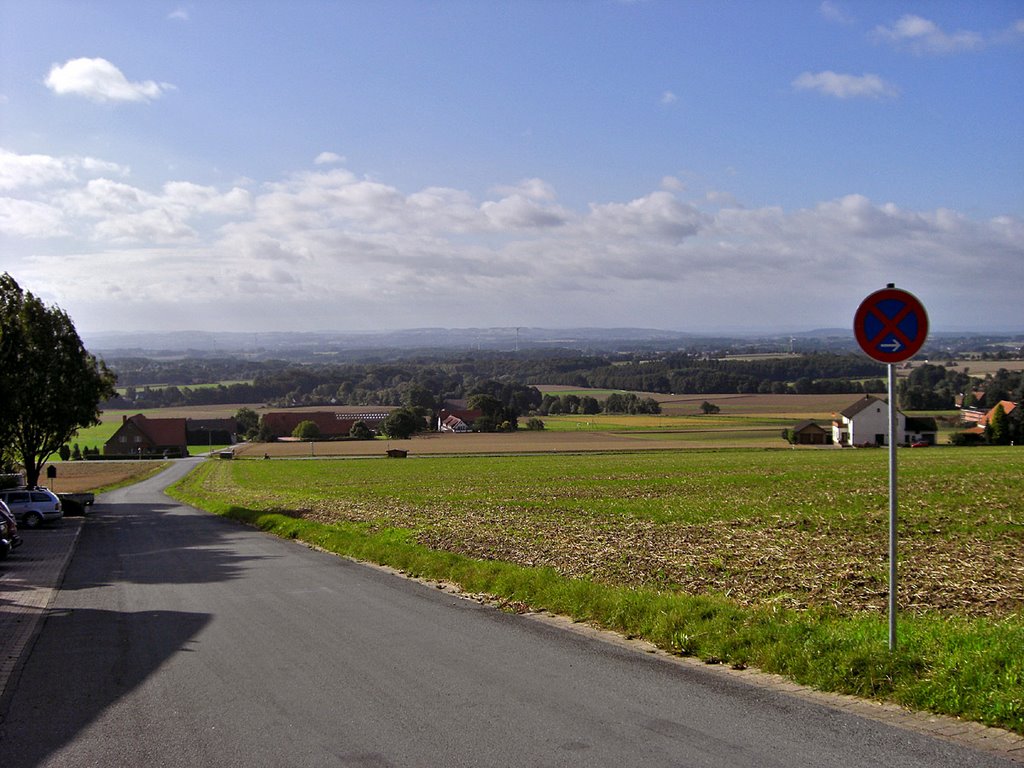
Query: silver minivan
[{"x": 32, "y": 506}]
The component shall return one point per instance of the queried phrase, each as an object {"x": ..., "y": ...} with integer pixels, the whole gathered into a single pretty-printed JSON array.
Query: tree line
[{"x": 432, "y": 382}]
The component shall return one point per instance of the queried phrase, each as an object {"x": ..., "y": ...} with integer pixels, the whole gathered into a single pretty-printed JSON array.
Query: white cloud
[
  {"x": 370, "y": 255},
  {"x": 100, "y": 81},
  {"x": 179, "y": 14},
  {"x": 667, "y": 97},
  {"x": 27, "y": 218},
  {"x": 834, "y": 12},
  {"x": 40, "y": 170},
  {"x": 925, "y": 36},
  {"x": 845, "y": 86},
  {"x": 329, "y": 158}
]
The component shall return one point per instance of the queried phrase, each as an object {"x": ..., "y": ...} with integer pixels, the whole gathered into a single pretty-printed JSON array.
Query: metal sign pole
[
  {"x": 891, "y": 325},
  {"x": 893, "y": 437}
]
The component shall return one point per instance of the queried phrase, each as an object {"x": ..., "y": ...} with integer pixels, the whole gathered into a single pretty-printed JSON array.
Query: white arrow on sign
[{"x": 892, "y": 346}]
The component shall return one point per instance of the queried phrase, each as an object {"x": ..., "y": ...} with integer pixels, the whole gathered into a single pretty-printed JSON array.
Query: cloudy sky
[{"x": 359, "y": 165}]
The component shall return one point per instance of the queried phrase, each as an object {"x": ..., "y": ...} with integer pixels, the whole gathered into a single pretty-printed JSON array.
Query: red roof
[{"x": 162, "y": 432}]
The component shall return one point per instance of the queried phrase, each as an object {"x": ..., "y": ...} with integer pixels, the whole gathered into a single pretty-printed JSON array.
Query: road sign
[{"x": 890, "y": 325}]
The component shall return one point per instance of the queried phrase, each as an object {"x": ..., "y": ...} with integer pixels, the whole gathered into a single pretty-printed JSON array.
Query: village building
[
  {"x": 457, "y": 420},
  {"x": 981, "y": 419},
  {"x": 211, "y": 431},
  {"x": 140, "y": 436},
  {"x": 811, "y": 433},
  {"x": 330, "y": 423},
  {"x": 866, "y": 422}
]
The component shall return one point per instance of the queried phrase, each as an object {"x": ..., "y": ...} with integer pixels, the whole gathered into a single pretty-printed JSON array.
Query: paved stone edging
[{"x": 29, "y": 580}]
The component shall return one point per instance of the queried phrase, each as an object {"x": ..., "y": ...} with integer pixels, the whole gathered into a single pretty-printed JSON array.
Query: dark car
[{"x": 12, "y": 526}]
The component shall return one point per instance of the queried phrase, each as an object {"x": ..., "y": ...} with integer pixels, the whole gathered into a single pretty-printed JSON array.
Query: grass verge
[{"x": 966, "y": 667}]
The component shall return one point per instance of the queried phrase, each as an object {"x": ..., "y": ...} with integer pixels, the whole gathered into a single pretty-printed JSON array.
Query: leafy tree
[
  {"x": 534, "y": 423},
  {"x": 418, "y": 396},
  {"x": 64, "y": 452},
  {"x": 248, "y": 421},
  {"x": 50, "y": 386},
  {"x": 998, "y": 430},
  {"x": 401, "y": 424},
  {"x": 306, "y": 430},
  {"x": 265, "y": 434},
  {"x": 76, "y": 453},
  {"x": 360, "y": 431},
  {"x": 708, "y": 408}
]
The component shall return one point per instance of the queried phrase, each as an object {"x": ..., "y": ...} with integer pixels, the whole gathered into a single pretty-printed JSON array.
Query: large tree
[
  {"x": 402, "y": 423},
  {"x": 50, "y": 386}
]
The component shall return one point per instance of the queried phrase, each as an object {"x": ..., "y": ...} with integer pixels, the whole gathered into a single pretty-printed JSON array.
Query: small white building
[{"x": 866, "y": 422}]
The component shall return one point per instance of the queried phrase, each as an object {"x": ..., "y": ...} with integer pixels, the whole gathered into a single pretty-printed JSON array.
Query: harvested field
[
  {"x": 796, "y": 529},
  {"x": 79, "y": 476}
]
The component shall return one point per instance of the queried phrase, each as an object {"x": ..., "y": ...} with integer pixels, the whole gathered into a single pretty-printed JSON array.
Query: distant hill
[{"x": 326, "y": 344}]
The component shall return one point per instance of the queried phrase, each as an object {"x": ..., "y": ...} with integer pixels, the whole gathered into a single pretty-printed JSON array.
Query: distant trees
[
  {"x": 495, "y": 415},
  {"x": 708, "y": 408},
  {"x": 402, "y": 424},
  {"x": 248, "y": 422},
  {"x": 629, "y": 402},
  {"x": 425, "y": 381},
  {"x": 997, "y": 432},
  {"x": 360, "y": 431}
]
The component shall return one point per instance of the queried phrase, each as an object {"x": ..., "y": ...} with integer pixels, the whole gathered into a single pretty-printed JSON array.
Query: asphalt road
[{"x": 182, "y": 639}]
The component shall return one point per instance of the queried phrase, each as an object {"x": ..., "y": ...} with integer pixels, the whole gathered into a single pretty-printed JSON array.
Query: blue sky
[{"x": 370, "y": 165}]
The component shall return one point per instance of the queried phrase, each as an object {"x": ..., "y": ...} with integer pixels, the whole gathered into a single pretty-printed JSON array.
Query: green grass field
[{"x": 774, "y": 558}]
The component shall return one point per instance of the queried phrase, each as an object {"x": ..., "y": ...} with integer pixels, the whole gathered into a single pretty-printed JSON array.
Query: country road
[{"x": 183, "y": 639}]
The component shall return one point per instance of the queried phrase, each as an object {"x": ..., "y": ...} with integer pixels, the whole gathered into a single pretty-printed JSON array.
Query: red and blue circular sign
[{"x": 891, "y": 325}]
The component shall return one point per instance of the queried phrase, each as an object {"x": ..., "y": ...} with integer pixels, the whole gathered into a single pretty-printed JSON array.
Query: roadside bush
[{"x": 966, "y": 438}]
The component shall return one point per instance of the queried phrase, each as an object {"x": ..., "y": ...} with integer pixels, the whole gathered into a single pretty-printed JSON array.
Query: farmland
[{"x": 775, "y": 558}]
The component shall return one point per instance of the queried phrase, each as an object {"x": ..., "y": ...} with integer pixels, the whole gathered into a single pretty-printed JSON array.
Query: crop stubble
[{"x": 757, "y": 527}]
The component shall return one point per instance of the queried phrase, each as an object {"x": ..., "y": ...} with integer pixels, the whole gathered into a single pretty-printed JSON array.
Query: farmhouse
[
  {"x": 457, "y": 420},
  {"x": 139, "y": 435},
  {"x": 920, "y": 429},
  {"x": 981, "y": 421},
  {"x": 211, "y": 431},
  {"x": 866, "y": 422},
  {"x": 810, "y": 433},
  {"x": 330, "y": 424}
]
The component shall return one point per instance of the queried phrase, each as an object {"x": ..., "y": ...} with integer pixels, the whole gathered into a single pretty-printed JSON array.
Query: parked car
[
  {"x": 32, "y": 506},
  {"x": 5, "y": 539},
  {"x": 75, "y": 504},
  {"x": 12, "y": 525}
]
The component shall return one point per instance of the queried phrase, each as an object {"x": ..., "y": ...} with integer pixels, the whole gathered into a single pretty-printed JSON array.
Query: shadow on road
[
  {"x": 84, "y": 662},
  {"x": 155, "y": 544}
]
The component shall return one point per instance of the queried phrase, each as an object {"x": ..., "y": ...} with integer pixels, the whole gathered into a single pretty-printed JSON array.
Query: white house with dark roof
[{"x": 866, "y": 422}]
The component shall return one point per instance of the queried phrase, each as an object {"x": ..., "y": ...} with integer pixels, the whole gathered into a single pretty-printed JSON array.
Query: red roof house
[{"x": 140, "y": 435}]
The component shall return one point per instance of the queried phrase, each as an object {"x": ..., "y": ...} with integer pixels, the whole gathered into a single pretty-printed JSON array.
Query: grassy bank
[{"x": 773, "y": 559}]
